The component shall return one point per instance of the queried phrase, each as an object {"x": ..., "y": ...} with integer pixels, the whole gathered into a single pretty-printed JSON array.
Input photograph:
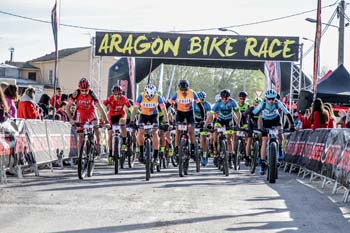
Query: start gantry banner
[{"x": 197, "y": 46}]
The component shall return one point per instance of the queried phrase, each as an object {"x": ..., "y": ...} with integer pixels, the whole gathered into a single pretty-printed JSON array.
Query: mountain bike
[
  {"x": 184, "y": 150},
  {"x": 222, "y": 151},
  {"x": 87, "y": 152}
]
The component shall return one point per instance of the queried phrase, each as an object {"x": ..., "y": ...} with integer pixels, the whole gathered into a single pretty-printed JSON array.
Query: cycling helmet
[
  {"x": 183, "y": 84},
  {"x": 243, "y": 94},
  {"x": 84, "y": 84},
  {"x": 201, "y": 95},
  {"x": 116, "y": 89},
  {"x": 257, "y": 100},
  {"x": 150, "y": 91},
  {"x": 225, "y": 93},
  {"x": 270, "y": 94}
]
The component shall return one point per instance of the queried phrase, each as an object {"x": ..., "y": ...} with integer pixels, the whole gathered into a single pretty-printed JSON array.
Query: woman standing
[
  {"x": 318, "y": 118},
  {"x": 27, "y": 108},
  {"x": 4, "y": 109},
  {"x": 11, "y": 95}
]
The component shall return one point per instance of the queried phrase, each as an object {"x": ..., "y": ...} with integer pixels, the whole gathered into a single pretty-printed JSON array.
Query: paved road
[{"x": 206, "y": 202}]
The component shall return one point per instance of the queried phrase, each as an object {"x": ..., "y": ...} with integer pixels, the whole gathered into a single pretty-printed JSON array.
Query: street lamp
[
  {"x": 331, "y": 25},
  {"x": 226, "y": 29}
]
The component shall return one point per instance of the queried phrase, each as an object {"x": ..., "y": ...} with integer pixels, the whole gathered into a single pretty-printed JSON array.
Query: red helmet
[{"x": 84, "y": 84}]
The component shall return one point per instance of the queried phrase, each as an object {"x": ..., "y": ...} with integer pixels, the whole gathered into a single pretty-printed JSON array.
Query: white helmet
[{"x": 150, "y": 91}]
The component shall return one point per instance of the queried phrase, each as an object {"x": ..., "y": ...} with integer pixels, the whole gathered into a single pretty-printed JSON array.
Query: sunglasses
[{"x": 270, "y": 98}]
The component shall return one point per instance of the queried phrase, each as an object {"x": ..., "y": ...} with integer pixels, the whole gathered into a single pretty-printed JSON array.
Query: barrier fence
[
  {"x": 321, "y": 153},
  {"x": 31, "y": 142}
]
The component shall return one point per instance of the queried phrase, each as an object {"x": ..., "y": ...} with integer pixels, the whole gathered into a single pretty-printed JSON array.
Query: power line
[{"x": 192, "y": 30}]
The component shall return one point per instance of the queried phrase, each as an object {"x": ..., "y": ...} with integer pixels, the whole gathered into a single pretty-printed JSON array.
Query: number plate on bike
[
  {"x": 182, "y": 127},
  {"x": 240, "y": 133},
  {"x": 88, "y": 126},
  {"x": 148, "y": 127},
  {"x": 115, "y": 127},
  {"x": 221, "y": 130},
  {"x": 197, "y": 130},
  {"x": 273, "y": 131}
]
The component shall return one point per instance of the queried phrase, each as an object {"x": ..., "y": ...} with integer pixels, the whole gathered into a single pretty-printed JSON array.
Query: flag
[
  {"x": 54, "y": 24},
  {"x": 317, "y": 48},
  {"x": 131, "y": 62}
]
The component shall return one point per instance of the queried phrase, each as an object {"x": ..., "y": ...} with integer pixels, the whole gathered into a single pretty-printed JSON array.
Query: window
[
  {"x": 51, "y": 76},
  {"x": 2, "y": 72},
  {"x": 32, "y": 76}
]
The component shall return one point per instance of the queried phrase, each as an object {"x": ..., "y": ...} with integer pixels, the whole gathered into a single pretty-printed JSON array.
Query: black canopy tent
[{"x": 335, "y": 88}]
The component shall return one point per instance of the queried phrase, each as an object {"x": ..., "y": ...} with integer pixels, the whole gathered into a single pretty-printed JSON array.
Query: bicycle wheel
[
  {"x": 181, "y": 157},
  {"x": 148, "y": 159},
  {"x": 83, "y": 159},
  {"x": 272, "y": 165},
  {"x": 197, "y": 157},
  {"x": 131, "y": 158},
  {"x": 91, "y": 161},
  {"x": 254, "y": 157},
  {"x": 238, "y": 155},
  {"x": 116, "y": 150},
  {"x": 223, "y": 154}
]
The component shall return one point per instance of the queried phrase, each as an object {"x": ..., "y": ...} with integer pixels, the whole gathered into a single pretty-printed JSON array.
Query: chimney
[{"x": 12, "y": 50}]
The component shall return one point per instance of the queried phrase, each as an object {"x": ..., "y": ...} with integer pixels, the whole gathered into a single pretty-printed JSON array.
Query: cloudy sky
[{"x": 33, "y": 39}]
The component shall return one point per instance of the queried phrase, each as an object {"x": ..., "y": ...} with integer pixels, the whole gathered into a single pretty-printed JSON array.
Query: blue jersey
[
  {"x": 270, "y": 111},
  {"x": 225, "y": 110},
  {"x": 197, "y": 110}
]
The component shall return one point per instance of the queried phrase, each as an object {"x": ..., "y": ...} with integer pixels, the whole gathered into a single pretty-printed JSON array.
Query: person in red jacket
[
  {"x": 27, "y": 108},
  {"x": 318, "y": 118},
  {"x": 58, "y": 99}
]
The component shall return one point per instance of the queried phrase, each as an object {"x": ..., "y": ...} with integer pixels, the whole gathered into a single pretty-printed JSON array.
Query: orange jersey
[
  {"x": 149, "y": 107},
  {"x": 184, "y": 103}
]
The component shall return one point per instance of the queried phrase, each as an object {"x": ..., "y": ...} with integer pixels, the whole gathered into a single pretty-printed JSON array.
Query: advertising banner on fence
[{"x": 197, "y": 46}]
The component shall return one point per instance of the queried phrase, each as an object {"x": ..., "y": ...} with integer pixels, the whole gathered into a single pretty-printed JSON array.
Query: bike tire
[
  {"x": 225, "y": 158},
  {"x": 83, "y": 160},
  {"x": 181, "y": 158},
  {"x": 238, "y": 155},
  {"x": 272, "y": 165},
  {"x": 148, "y": 159},
  {"x": 116, "y": 150},
  {"x": 254, "y": 157},
  {"x": 122, "y": 160},
  {"x": 197, "y": 157},
  {"x": 131, "y": 158}
]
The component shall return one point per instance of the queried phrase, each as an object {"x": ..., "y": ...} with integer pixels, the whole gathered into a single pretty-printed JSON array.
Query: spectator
[
  {"x": 328, "y": 107},
  {"x": 50, "y": 115},
  {"x": 64, "y": 97},
  {"x": 4, "y": 109},
  {"x": 347, "y": 120},
  {"x": 62, "y": 111},
  {"x": 44, "y": 105},
  {"x": 297, "y": 117},
  {"x": 27, "y": 108},
  {"x": 318, "y": 118},
  {"x": 3, "y": 86},
  {"x": 11, "y": 95},
  {"x": 58, "y": 99},
  {"x": 342, "y": 119}
]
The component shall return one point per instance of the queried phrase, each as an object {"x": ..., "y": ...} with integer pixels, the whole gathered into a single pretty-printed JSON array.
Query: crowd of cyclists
[{"x": 185, "y": 106}]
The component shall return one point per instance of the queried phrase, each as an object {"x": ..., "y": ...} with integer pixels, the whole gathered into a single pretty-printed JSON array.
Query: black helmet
[
  {"x": 225, "y": 93},
  {"x": 116, "y": 89},
  {"x": 243, "y": 94},
  {"x": 183, "y": 84}
]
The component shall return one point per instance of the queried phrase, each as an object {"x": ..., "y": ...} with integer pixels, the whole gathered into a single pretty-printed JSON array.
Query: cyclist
[
  {"x": 86, "y": 103},
  {"x": 243, "y": 106},
  {"x": 252, "y": 121},
  {"x": 184, "y": 98},
  {"x": 148, "y": 102},
  {"x": 116, "y": 104},
  {"x": 226, "y": 112},
  {"x": 207, "y": 108},
  {"x": 269, "y": 108}
]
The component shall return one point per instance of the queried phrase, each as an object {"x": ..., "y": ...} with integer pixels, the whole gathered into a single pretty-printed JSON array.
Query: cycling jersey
[
  {"x": 149, "y": 107},
  {"x": 184, "y": 103},
  {"x": 197, "y": 110},
  {"x": 116, "y": 106},
  {"x": 225, "y": 110},
  {"x": 85, "y": 105},
  {"x": 270, "y": 112},
  {"x": 242, "y": 109}
]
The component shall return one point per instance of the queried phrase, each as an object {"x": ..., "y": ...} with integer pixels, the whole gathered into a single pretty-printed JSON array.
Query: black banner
[
  {"x": 197, "y": 46},
  {"x": 324, "y": 151}
]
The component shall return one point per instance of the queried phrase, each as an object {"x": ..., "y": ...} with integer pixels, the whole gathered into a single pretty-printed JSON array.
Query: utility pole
[{"x": 341, "y": 12}]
